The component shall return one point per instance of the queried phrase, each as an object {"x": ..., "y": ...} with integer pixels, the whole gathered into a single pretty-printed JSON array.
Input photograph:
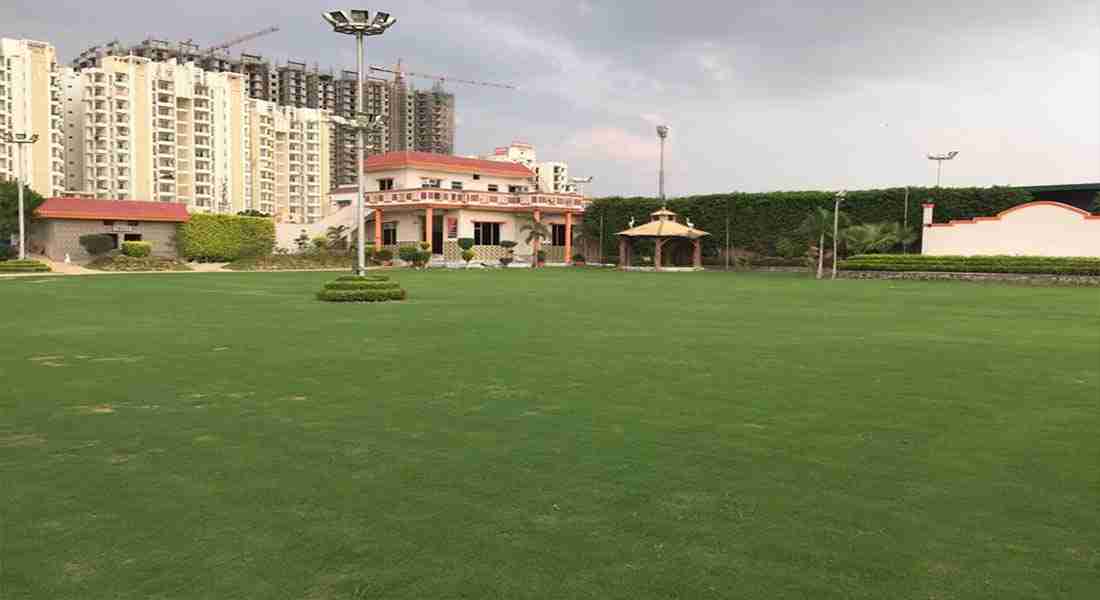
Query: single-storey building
[
  {"x": 419, "y": 197},
  {"x": 59, "y": 223}
]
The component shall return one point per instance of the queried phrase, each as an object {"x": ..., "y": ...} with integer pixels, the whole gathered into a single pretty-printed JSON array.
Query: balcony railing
[{"x": 422, "y": 196}]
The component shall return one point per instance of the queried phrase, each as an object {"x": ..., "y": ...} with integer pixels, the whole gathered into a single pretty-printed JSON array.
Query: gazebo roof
[{"x": 664, "y": 225}]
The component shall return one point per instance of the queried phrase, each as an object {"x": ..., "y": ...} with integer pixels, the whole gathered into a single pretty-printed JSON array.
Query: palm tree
[
  {"x": 819, "y": 225},
  {"x": 335, "y": 234},
  {"x": 536, "y": 232},
  {"x": 870, "y": 238}
]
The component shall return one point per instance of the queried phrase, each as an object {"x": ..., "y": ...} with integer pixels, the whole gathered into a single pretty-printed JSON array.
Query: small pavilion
[{"x": 661, "y": 229}]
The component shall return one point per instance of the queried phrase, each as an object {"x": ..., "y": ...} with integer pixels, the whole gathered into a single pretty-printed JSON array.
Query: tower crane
[
  {"x": 240, "y": 40},
  {"x": 440, "y": 78}
]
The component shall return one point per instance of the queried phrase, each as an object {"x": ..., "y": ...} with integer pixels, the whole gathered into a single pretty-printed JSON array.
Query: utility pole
[{"x": 20, "y": 140}]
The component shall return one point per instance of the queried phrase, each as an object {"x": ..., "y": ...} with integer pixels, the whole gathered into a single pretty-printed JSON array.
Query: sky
[{"x": 760, "y": 95}]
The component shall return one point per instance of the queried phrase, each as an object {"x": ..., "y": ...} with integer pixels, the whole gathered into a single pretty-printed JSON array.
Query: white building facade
[{"x": 31, "y": 104}]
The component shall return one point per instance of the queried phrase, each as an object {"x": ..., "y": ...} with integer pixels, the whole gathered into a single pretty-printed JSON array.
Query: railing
[{"x": 469, "y": 198}]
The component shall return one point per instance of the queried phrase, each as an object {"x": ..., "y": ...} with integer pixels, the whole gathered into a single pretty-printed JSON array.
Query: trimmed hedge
[
  {"x": 973, "y": 264},
  {"x": 293, "y": 262},
  {"x": 362, "y": 285},
  {"x": 371, "y": 278},
  {"x": 360, "y": 295},
  {"x": 759, "y": 221},
  {"x": 225, "y": 238},
  {"x": 97, "y": 243},
  {"x": 137, "y": 249},
  {"x": 123, "y": 263},
  {"x": 23, "y": 266}
]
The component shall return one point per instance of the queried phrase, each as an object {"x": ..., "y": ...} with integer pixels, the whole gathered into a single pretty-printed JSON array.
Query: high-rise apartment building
[
  {"x": 550, "y": 176},
  {"x": 433, "y": 120},
  {"x": 286, "y": 161},
  {"x": 30, "y": 103}
]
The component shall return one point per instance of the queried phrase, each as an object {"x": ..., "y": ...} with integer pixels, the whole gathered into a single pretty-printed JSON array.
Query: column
[
  {"x": 624, "y": 259},
  {"x": 657, "y": 254},
  {"x": 377, "y": 229},
  {"x": 537, "y": 216},
  {"x": 428, "y": 218},
  {"x": 697, "y": 256},
  {"x": 568, "y": 238}
]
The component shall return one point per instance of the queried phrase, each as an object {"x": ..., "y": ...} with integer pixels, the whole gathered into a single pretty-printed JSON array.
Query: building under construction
[{"x": 415, "y": 120}]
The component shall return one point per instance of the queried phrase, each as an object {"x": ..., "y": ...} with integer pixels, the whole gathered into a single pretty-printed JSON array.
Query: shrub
[
  {"x": 288, "y": 262},
  {"x": 974, "y": 264},
  {"x": 408, "y": 253},
  {"x": 383, "y": 255},
  {"x": 776, "y": 261},
  {"x": 542, "y": 255},
  {"x": 361, "y": 295},
  {"x": 319, "y": 243},
  {"x": 579, "y": 258},
  {"x": 23, "y": 266},
  {"x": 465, "y": 243},
  {"x": 785, "y": 247},
  {"x": 97, "y": 243},
  {"x": 468, "y": 255},
  {"x": 137, "y": 249},
  {"x": 507, "y": 260},
  {"x": 225, "y": 238},
  {"x": 7, "y": 251},
  {"x": 509, "y": 244}
]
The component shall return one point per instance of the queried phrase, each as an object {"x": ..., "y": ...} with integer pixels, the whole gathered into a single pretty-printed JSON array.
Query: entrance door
[{"x": 437, "y": 235}]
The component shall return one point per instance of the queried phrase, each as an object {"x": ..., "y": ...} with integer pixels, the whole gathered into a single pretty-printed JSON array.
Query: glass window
[
  {"x": 557, "y": 235},
  {"x": 486, "y": 234}
]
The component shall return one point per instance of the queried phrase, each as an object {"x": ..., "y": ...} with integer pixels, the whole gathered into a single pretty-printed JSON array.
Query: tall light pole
[
  {"x": 358, "y": 22},
  {"x": 662, "y": 132},
  {"x": 939, "y": 158},
  {"x": 20, "y": 140},
  {"x": 840, "y": 196}
]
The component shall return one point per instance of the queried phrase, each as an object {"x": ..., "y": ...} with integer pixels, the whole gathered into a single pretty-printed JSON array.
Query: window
[
  {"x": 389, "y": 233},
  {"x": 494, "y": 187},
  {"x": 384, "y": 184},
  {"x": 456, "y": 185},
  {"x": 476, "y": 176},
  {"x": 515, "y": 189},
  {"x": 486, "y": 234},
  {"x": 431, "y": 183},
  {"x": 557, "y": 235}
]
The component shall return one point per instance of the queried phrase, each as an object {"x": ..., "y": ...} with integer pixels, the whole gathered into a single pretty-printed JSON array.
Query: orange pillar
[
  {"x": 377, "y": 229},
  {"x": 569, "y": 238},
  {"x": 428, "y": 225}
]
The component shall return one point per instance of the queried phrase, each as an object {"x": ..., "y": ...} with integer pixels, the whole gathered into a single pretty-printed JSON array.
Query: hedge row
[
  {"x": 360, "y": 295},
  {"x": 225, "y": 238},
  {"x": 123, "y": 263},
  {"x": 374, "y": 278},
  {"x": 362, "y": 285},
  {"x": 293, "y": 262},
  {"x": 759, "y": 221},
  {"x": 973, "y": 264},
  {"x": 23, "y": 266},
  {"x": 137, "y": 249}
]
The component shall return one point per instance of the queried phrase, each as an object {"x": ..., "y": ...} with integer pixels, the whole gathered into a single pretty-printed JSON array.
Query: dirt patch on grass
[
  {"x": 99, "y": 409},
  {"x": 21, "y": 440},
  {"x": 46, "y": 358},
  {"x": 121, "y": 359},
  {"x": 78, "y": 571}
]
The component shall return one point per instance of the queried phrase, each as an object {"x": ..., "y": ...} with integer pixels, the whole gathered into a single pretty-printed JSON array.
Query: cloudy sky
[{"x": 760, "y": 95}]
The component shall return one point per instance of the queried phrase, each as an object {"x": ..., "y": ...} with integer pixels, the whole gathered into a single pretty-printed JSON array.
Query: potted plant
[
  {"x": 541, "y": 258},
  {"x": 510, "y": 246},
  {"x": 579, "y": 260},
  {"x": 467, "y": 246}
]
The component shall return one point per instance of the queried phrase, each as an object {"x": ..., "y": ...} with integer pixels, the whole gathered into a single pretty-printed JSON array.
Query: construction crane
[
  {"x": 240, "y": 40},
  {"x": 440, "y": 78}
]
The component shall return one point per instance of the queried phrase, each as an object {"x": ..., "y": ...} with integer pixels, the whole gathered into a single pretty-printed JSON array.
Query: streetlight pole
[
  {"x": 662, "y": 132},
  {"x": 840, "y": 196},
  {"x": 20, "y": 140},
  {"x": 357, "y": 22}
]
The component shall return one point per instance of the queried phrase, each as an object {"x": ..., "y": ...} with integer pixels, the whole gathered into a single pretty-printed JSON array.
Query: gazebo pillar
[
  {"x": 624, "y": 258},
  {"x": 657, "y": 255},
  {"x": 697, "y": 255}
]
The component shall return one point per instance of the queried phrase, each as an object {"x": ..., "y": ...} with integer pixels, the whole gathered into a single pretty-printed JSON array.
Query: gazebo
[{"x": 662, "y": 228}]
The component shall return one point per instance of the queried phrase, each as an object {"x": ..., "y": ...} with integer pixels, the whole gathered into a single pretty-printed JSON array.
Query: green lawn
[{"x": 551, "y": 434}]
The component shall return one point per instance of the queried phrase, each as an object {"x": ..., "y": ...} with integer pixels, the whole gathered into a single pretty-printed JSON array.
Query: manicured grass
[{"x": 551, "y": 434}]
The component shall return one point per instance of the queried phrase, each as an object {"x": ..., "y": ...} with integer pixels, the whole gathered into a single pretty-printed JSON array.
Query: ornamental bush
[
  {"x": 7, "y": 251},
  {"x": 465, "y": 243},
  {"x": 371, "y": 278},
  {"x": 383, "y": 256},
  {"x": 97, "y": 243},
  {"x": 362, "y": 285},
  {"x": 468, "y": 255},
  {"x": 225, "y": 238},
  {"x": 973, "y": 264},
  {"x": 137, "y": 249}
]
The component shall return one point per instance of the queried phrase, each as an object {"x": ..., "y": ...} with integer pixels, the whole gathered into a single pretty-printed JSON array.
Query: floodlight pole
[
  {"x": 360, "y": 163},
  {"x": 662, "y": 132},
  {"x": 836, "y": 224},
  {"x": 21, "y": 140}
]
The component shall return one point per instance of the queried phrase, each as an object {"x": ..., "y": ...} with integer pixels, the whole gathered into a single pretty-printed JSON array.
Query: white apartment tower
[
  {"x": 30, "y": 103},
  {"x": 550, "y": 176},
  {"x": 287, "y": 161}
]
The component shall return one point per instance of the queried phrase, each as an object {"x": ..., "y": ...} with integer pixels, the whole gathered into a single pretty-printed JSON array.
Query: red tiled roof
[
  {"x": 443, "y": 162},
  {"x": 112, "y": 210}
]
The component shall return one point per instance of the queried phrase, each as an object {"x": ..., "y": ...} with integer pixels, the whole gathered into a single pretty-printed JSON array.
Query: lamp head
[
  {"x": 358, "y": 21},
  {"x": 662, "y": 131}
]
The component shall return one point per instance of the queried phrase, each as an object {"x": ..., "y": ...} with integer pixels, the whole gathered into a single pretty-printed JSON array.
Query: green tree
[
  {"x": 9, "y": 207},
  {"x": 537, "y": 231},
  {"x": 819, "y": 225},
  {"x": 336, "y": 235},
  {"x": 876, "y": 238}
]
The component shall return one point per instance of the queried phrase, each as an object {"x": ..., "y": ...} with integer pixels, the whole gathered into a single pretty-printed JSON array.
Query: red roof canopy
[
  {"x": 443, "y": 162},
  {"x": 112, "y": 210}
]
